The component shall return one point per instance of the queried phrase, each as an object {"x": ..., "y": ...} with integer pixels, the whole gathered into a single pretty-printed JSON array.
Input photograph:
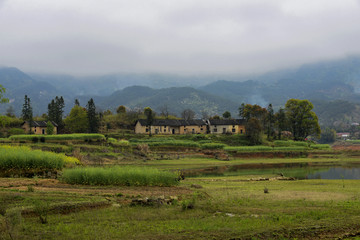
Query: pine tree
[
  {"x": 27, "y": 114},
  {"x": 92, "y": 116},
  {"x": 56, "y": 110}
]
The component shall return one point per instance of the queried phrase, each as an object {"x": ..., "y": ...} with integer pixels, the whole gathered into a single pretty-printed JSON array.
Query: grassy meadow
[{"x": 130, "y": 189}]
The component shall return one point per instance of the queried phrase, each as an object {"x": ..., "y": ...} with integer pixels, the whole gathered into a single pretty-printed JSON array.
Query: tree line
[{"x": 296, "y": 120}]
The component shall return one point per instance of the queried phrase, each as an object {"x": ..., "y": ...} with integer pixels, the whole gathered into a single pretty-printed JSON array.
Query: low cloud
[{"x": 204, "y": 36}]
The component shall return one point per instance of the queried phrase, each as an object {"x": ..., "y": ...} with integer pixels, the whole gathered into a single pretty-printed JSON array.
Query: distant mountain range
[{"x": 332, "y": 85}]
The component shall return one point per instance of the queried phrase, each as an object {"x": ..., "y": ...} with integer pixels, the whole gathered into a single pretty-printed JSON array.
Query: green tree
[
  {"x": 328, "y": 136},
  {"x": 27, "y": 114},
  {"x": 280, "y": 121},
  {"x": 49, "y": 128},
  {"x": 254, "y": 131},
  {"x": 56, "y": 111},
  {"x": 227, "y": 115},
  {"x": 255, "y": 117},
  {"x": 148, "y": 112},
  {"x": 2, "y": 92},
  {"x": 92, "y": 116},
  {"x": 77, "y": 121},
  {"x": 248, "y": 111},
  {"x": 270, "y": 121},
  {"x": 302, "y": 120},
  {"x": 121, "y": 109}
]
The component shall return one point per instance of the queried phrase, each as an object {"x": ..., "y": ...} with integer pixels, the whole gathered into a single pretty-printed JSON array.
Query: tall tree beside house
[
  {"x": 77, "y": 120},
  {"x": 27, "y": 113},
  {"x": 2, "y": 91},
  {"x": 254, "y": 131},
  {"x": 77, "y": 103},
  {"x": 227, "y": 115},
  {"x": 255, "y": 117},
  {"x": 302, "y": 120},
  {"x": 93, "y": 117},
  {"x": 148, "y": 112},
  {"x": 56, "y": 111}
]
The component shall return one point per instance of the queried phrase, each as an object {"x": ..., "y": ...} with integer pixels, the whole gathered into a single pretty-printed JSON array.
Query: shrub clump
[{"x": 123, "y": 176}]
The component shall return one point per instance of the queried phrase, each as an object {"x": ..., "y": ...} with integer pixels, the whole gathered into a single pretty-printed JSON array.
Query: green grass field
[{"x": 237, "y": 203}]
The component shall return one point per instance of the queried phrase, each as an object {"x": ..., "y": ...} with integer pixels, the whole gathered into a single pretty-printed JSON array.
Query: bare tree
[
  {"x": 164, "y": 111},
  {"x": 188, "y": 114}
]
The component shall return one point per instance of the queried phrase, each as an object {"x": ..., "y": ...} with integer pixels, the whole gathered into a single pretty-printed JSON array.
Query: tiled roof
[
  {"x": 174, "y": 122},
  {"x": 40, "y": 123},
  {"x": 194, "y": 122},
  {"x": 227, "y": 122}
]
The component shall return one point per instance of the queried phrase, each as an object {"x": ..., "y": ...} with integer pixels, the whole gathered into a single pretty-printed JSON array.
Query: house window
[
  {"x": 201, "y": 129},
  {"x": 215, "y": 129},
  {"x": 233, "y": 130},
  {"x": 241, "y": 131},
  {"x": 147, "y": 130},
  {"x": 224, "y": 130}
]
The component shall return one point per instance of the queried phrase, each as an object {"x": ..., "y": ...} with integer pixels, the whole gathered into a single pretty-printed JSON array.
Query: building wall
[
  {"x": 37, "y": 130},
  {"x": 166, "y": 130},
  {"x": 169, "y": 130},
  {"x": 194, "y": 129},
  {"x": 233, "y": 129}
]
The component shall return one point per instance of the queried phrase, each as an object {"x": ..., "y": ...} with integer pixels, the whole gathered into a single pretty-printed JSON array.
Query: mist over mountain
[
  {"x": 330, "y": 80},
  {"x": 333, "y": 85}
]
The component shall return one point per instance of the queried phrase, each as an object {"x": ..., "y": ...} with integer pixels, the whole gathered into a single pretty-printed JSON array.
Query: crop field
[{"x": 145, "y": 188}]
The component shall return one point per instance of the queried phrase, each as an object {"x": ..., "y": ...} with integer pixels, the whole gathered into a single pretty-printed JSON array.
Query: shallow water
[{"x": 336, "y": 173}]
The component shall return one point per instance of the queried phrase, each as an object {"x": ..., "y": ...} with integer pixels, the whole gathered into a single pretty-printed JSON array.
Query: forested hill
[{"x": 175, "y": 99}]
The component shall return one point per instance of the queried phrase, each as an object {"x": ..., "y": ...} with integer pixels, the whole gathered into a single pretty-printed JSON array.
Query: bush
[
  {"x": 123, "y": 176},
  {"x": 16, "y": 131}
]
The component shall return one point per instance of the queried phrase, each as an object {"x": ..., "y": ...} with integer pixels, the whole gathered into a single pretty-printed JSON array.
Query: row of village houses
[
  {"x": 196, "y": 126},
  {"x": 166, "y": 126}
]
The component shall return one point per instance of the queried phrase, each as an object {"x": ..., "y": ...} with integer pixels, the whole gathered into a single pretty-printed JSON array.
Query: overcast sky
[{"x": 175, "y": 36}]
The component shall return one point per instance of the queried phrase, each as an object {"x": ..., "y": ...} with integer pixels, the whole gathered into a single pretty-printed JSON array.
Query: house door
[
  {"x": 173, "y": 131},
  {"x": 43, "y": 131},
  {"x": 224, "y": 130}
]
